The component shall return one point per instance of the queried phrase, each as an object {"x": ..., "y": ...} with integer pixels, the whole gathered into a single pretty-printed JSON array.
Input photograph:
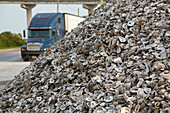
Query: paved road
[
  {"x": 10, "y": 55},
  {"x": 11, "y": 64}
]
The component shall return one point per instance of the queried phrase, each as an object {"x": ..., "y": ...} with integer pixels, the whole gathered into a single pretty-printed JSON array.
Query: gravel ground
[{"x": 2, "y": 87}]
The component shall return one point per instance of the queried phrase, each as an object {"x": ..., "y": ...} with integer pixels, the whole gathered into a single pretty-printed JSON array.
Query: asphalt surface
[
  {"x": 11, "y": 64},
  {"x": 10, "y": 55}
]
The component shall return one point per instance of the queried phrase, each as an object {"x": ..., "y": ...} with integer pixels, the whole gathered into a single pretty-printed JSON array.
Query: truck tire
[{"x": 25, "y": 59}]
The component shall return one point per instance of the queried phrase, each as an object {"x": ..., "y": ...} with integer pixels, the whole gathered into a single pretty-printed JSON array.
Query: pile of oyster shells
[{"x": 117, "y": 60}]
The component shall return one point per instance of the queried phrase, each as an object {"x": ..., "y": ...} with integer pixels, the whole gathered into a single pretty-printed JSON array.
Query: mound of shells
[{"x": 116, "y": 61}]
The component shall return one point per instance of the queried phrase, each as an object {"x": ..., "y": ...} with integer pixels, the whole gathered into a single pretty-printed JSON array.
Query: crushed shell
[{"x": 116, "y": 61}]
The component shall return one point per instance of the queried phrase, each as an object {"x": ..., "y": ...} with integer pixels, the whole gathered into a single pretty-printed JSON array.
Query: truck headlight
[{"x": 23, "y": 49}]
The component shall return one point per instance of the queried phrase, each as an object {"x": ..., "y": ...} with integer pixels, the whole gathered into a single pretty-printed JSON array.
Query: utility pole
[
  {"x": 57, "y": 5},
  {"x": 78, "y": 11},
  {"x": 101, "y": 1}
]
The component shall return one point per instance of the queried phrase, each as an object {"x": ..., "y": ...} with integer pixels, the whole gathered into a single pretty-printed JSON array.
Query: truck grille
[{"x": 33, "y": 46}]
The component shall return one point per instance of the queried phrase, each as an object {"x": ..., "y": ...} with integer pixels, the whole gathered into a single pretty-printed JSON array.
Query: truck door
[{"x": 59, "y": 28}]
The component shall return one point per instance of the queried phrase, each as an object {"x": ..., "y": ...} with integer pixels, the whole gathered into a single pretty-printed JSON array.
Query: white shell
[
  {"x": 38, "y": 99},
  {"x": 124, "y": 110},
  {"x": 118, "y": 60},
  {"x": 108, "y": 99}
]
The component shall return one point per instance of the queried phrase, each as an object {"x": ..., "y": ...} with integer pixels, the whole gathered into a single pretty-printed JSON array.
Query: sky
[{"x": 13, "y": 17}]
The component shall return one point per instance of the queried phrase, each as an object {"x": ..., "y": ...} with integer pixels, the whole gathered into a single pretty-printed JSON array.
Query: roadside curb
[{"x": 4, "y": 82}]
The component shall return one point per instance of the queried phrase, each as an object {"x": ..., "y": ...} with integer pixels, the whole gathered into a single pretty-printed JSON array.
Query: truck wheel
[{"x": 25, "y": 59}]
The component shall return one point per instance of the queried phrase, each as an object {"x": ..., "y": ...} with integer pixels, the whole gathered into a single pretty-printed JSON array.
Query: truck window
[{"x": 39, "y": 33}]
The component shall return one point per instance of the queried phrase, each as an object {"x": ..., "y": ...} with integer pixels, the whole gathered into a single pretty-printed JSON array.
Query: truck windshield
[{"x": 39, "y": 33}]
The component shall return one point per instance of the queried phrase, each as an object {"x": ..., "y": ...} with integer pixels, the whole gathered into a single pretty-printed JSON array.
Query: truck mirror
[
  {"x": 53, "y": 32},
  {"x": 24, "y": 33}
]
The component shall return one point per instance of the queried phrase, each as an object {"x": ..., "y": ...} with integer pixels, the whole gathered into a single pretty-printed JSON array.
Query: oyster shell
[{"x": 117, "y": 60}]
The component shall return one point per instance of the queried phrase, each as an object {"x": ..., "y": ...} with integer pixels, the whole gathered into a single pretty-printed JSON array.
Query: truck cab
[{"x": 44, "y": 30}]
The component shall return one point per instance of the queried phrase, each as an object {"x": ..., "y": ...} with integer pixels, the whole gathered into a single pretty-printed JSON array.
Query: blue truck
[{"x": 44, "y": 30}]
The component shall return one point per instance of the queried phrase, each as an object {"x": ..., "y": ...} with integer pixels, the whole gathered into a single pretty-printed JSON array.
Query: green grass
[
  {"x": 9, "y": 40},
  {"x": 3, "y": 48}
]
